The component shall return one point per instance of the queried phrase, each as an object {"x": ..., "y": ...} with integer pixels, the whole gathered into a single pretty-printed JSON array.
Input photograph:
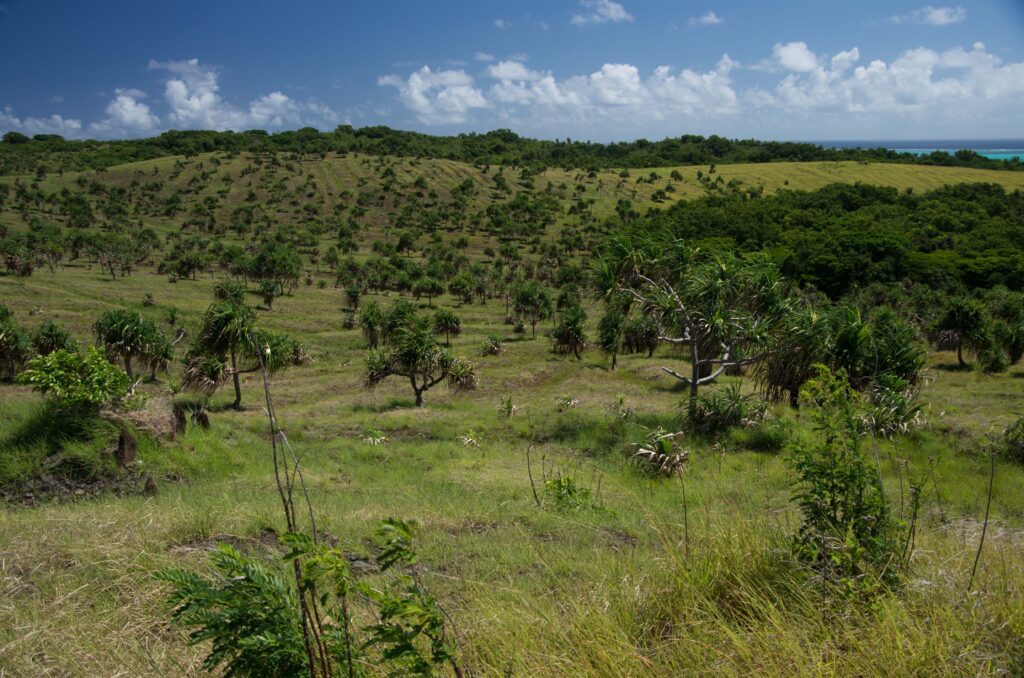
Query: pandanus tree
[
  {"x": 721, "y": 306},
  {"x": 414, "y": 353},
  {"x": 532, "y": 301},
  {"x": 609, "y": 333},
  {"x": 127, "y": 336},
  {"x": 15, "y": 344},
  {"x": 447, "y": 323},
  {"x": 569, "y": 334},
  {"x": 230, "y": 342},
  {"x": 966, "y": 324}
]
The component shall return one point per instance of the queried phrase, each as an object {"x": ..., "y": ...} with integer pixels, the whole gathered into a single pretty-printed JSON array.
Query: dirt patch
[
  {"x": 264, "y": 540},
  {"x": 472, "y": 527},
  {"x": 48, "y": 488},
  {"x": 619, "y": 539}
]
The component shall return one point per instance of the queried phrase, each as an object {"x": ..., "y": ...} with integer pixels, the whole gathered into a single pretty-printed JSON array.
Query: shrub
[
  {"x": 892, "y": 407},
  {"x": 15, "y": 345},
  {"x": 1012, "y": 441},
  {"x": 50, "y": 337},
  {"x": 656, "y": 454},
  {"x": 847, "y": 534},
  {"x": 493, "y": 345},
  {"x": 80, "y": 382},
  {"x": 249, "y": 612},
  {"x": 724, "y": 409}
]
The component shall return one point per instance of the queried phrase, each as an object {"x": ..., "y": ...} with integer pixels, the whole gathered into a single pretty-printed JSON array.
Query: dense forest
[{"x": 20, "y": 154}]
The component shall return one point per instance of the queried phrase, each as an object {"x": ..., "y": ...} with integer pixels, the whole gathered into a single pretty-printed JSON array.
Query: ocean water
[{"x": 996, "y": 149}]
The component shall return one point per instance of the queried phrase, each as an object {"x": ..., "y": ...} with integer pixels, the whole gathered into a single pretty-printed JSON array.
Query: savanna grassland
[{"x": 634, "y": 574}]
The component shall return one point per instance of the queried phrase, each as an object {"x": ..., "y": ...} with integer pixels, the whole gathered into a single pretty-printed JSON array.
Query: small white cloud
[
  {"x": 932, "y": 16},
  {"x": 56, "y": 99},
  {"x": 709, "y": 18},
  {"x": 501, "y": 24},
  {"x": 483, "y": 56},
  {"x": 601, "y": 11},
  {"x": 519, "y": 56},
  {"x": 794, "y": 56}
]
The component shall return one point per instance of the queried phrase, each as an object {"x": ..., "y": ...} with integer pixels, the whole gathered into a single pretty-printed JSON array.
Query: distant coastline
[{"x": 995, "y": 149}]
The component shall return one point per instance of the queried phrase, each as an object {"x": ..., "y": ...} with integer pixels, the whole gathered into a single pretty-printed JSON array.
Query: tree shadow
[
  {"x": 391, "y": 404},
  {"x": 953, "y": 367},
  {"x": 50, "y": 428}
]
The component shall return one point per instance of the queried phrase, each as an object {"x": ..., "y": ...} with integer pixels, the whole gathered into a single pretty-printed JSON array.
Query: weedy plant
[
  {"x": 892, "y": 407},
  {"x": 1011, "y": 443},
  {"x": 567, "y": 402},
  {"x": 656, "y": 454},
  {"x": 493, "y": 345},
  {"x": 506, "y": 409}
]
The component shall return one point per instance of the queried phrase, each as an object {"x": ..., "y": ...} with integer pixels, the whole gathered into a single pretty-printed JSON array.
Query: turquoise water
[
  {"x": 995, "y": 149},
  {"x": 1008, "y": 154}
]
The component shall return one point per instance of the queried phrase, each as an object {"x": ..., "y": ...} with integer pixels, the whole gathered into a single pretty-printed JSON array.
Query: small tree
[
  {"x": 532, "y": 301},
  {"x": 429, "y": 288},
  {"x": 268, "y": 289},
  {"x": 15, "y": 345},
  {"x": 447, "y": 323},
  {"x": 371, "y": 320},
  {"x": 127, "y": 336},
  {"x": 415, "y": 355},
  {"x": 230, "y": 342},
  {"x": 609, "y": 333},
  {"x": 570, "y": 332},
  {"x": 966, "y": 320},
  {"x": 352, "y": 295},
  {"x": 721, "y": 306}
]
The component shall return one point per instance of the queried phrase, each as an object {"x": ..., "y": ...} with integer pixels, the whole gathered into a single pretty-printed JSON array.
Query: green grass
[{"x": 615, "y": 590}]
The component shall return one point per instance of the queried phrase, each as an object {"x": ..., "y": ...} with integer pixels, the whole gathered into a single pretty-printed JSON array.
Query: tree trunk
[
  {"x": 238, "y": 386},
  {"x": 694, "y": 380},
  {"x": 128, "y": 367},
  {"x": 960, "y": 353},
  {"x": 614, "y": 356}
]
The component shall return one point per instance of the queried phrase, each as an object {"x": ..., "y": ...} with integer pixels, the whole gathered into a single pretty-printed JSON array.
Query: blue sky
[{"x": 585, "y": 69}]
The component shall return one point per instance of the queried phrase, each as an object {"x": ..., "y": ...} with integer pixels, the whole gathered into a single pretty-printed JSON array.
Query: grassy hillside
[
  {"x": 299, "y": 188},
  {"x": 624, "y": 587}
]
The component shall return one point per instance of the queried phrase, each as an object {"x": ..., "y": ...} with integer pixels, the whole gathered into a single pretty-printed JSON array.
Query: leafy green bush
[
  {"x": 77, "y": 381},
  {"x": 847, "y": 534}
]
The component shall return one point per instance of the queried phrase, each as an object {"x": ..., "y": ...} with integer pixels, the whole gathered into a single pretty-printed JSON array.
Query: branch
[{"x": 685, "y": 380}]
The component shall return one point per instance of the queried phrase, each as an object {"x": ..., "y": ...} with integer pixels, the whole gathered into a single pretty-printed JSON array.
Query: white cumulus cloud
[
  {"x": 192, "y": 92},
  {"x": 126, "y": 115},
  {"x": 957, "y": 89},
  {"x": 438, "y": 97},
  {"x": 795, "y": 56},
  {"x": 54, "y": 124}
]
